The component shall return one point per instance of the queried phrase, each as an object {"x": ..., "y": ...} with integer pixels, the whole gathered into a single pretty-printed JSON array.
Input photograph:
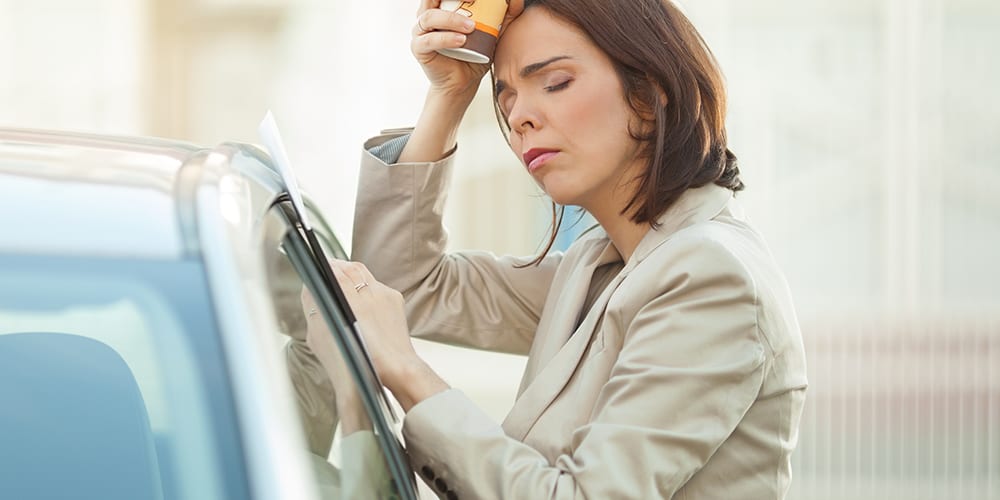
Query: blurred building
[{"x": 866, "y": 132}]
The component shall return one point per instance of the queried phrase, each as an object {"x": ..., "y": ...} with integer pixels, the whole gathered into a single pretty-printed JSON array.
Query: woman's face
[{"x": 568, "y": 116}]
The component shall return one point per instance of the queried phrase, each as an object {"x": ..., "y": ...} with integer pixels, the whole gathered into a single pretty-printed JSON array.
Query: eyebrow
[{"x": 529, "y": 70}]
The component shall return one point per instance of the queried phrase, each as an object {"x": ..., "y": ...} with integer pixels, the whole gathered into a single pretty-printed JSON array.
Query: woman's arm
[
  {"x": 453, "y": 83},
  {"x": 473, "y": 299},
  {"x": 469, "y": 298}
]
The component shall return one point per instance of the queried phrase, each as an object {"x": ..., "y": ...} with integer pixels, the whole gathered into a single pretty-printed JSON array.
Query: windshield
[{"x": 154, "y": 318}]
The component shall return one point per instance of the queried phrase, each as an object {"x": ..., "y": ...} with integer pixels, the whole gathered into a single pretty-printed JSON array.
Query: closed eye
[{"x": 557, "y": 87}]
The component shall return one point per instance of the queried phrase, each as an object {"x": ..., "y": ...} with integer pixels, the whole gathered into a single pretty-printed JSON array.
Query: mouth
[{"x": 535, "y": 157}]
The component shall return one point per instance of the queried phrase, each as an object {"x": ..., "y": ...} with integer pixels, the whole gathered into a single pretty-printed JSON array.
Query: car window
[
  {"x": 112, "y": 382},
  {"x": 346, "y": 466}
]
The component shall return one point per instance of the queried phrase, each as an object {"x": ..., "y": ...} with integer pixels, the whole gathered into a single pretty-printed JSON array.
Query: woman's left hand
[{"x": 381, "y": 319}]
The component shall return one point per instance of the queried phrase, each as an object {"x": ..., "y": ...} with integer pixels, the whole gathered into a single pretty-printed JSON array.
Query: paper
[{"x": 271, "y": 137}]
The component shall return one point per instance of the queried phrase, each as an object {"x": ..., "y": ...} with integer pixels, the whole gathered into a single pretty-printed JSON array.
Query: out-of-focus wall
[
  {"x": 866, "y": 132},
  {"x": 67, "y": 64}
]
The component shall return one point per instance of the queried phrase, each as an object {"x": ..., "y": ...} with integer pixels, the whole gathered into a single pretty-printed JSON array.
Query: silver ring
[{"x": 359, "y": 286}]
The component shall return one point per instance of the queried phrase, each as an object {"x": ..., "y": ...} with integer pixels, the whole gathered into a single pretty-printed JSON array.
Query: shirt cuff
[{"x": 390, "y": 150}]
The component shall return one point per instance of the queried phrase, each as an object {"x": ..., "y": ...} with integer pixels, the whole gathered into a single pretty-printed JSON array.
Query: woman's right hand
[
  {"x": 440, "y": 29},
  {"x": 453, "y": 83}
]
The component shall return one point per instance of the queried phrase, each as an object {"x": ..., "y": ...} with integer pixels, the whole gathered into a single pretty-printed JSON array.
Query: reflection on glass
[{"x": 346, "y": 456}]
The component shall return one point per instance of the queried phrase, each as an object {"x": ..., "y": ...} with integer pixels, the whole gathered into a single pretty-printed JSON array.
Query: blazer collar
[
  {"x": 695, "y": 205},
  {"x": 558, "y": 361}
]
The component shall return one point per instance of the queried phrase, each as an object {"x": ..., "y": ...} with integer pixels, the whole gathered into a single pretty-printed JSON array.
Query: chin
[
  {"x": 562, "y": 188},
  {"x": 562, "y": 198}
]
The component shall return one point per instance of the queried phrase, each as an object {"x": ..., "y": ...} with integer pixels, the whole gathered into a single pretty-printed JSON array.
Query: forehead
[{"x": 536, "y": 35}]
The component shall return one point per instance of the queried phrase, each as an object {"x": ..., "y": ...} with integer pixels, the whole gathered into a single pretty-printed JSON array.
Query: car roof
[{"x": 72, "y": 193}]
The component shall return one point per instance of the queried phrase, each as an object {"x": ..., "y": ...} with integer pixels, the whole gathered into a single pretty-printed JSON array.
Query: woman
[{"x": 664, "y": 356}]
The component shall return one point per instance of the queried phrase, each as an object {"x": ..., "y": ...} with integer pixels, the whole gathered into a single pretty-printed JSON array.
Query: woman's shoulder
[
  {"x": 706, "y": 251},
  {"x": 723, "y": 248},
  {"x": 722, "y": 255},
  {"x": 722, "y": 234}
]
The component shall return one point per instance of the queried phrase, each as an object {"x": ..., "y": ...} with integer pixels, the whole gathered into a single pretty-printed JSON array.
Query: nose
[{"x": 523, "y": 116}]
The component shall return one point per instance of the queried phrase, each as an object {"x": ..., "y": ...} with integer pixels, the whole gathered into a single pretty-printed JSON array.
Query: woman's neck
[
  {"x": 610, "y": 208},
  {"x": 625, "y": 234}
]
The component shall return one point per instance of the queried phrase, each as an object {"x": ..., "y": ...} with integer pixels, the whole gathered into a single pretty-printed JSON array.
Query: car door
[{"x": 368, "y": 464}]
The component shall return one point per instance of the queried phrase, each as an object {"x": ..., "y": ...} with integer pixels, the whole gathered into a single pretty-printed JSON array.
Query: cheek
[
  {"x": 595, "y": 114},
  {"x": 579, "y": 117}
]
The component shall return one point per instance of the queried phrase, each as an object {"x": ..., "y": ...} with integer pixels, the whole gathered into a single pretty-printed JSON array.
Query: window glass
[
  {"x": 149, "y": 324},
  {"x": 341, "y": 440}
]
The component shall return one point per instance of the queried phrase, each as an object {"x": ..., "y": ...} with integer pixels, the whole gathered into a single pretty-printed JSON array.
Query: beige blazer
[{"x": 685, "y": 378}]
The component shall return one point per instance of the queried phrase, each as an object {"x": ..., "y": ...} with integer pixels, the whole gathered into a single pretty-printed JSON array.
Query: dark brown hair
[{"x": 657, "y": 53}]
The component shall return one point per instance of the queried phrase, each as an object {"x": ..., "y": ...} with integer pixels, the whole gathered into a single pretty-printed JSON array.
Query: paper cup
[{"x": 480, "y": 44}]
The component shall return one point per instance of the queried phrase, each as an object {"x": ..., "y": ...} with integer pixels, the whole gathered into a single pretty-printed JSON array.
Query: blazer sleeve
[
  {"x": 474, "y": 299},
  {"x": 691, "y": 364}
]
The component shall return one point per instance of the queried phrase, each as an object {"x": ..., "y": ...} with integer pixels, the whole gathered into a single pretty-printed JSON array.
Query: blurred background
[{"x": 867, "y": 132}]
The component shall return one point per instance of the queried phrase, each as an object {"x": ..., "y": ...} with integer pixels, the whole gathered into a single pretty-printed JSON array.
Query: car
[{"x": 151, "y": 329}]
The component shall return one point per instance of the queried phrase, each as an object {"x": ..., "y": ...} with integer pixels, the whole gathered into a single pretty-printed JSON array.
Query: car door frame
[{"x": 304, "y": 258}]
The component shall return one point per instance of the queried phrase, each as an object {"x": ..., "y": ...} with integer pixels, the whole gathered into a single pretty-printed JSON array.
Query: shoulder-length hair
[{"x": 671, "y": 80}]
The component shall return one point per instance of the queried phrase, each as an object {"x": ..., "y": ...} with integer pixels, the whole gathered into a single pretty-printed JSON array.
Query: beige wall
[{"x": 73, "y": 64}]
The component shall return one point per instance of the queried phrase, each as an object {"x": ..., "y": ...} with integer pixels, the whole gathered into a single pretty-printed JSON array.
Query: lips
[{"x": 535, "y": 157}]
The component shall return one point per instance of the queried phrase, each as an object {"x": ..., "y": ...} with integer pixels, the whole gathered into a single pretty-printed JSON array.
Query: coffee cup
[{"x": 480, "y": 44}]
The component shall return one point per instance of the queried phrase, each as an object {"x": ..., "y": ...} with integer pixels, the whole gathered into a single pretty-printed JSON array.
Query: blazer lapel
[
  {"x": 558, "y": 358},
  {"x": 565, "y": 306}
]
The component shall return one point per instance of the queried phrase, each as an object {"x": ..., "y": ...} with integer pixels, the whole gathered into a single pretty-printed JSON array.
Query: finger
[
  {"x": 427, "y": 5},
  {"x": 436, "y": 4},
  {"x": 365, "y": 274},
  {"x": 442, "y": 20},
  {"x": 364, "y": 281},
  {"x": 430, "y": 43},
  {"x": 358, "y": 274},
  {"x": 308, "y": 302},
  {"x": 307, "y": 299},
  {"x": 344, "y": 279}
]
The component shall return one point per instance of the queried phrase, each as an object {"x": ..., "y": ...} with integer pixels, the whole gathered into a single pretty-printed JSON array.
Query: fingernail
[
  {"x": 469, "y": 24},
  {"x": 460, "y": 38}
]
